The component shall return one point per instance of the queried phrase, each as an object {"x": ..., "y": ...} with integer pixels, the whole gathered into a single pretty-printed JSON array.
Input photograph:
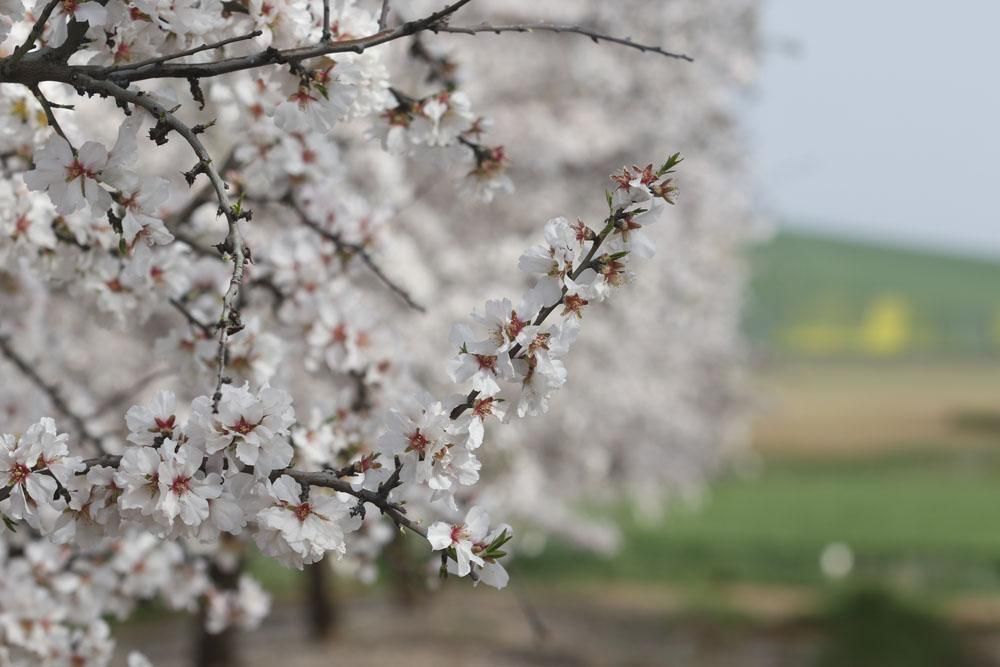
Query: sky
[{"x": 881, "y": 119}]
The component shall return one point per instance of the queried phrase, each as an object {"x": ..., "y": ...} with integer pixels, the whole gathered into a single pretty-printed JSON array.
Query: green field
[
  {"x": 927, "y": 520},
  {"x": 813, "y": 296}
]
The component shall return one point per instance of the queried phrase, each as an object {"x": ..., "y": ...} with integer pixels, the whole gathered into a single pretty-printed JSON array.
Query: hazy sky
[{"x": 880, "y": 118}]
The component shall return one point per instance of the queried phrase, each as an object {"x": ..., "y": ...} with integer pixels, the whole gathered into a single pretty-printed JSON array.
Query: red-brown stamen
[
  {"x": 19, "y": 473},
  {"x": 164, "y": 425},
  {"x": 242, "y": 426},
  {"x": 302, "y": 511},
  {"x": 180, "y": 485},
  {"x": 418, "y": 442},
  {"x": 483, "y": 407},
  {"x": 487, "y": 362}
]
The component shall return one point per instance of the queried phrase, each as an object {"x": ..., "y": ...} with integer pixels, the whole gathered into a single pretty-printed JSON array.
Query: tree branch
[
  {"x": 182, "y": 54},
  {"x": 325, "y": 479},
  {"x": 329, "y": 480},
  {"x": 229, "y": 318},
  {"x": 190, "y": 317},
  {"x": 550, "y": 27},
  {"x": 112, "y": 400},
  {"x": 587, "y": 263},
  {"x": 383, "y": 15},
  {"x": 36, "y": 32},
  {"x": 50, "y": 117},
  {"x": 277, "y": 57},
  {"x": 325, "y": 38},
  {"x": 354, "y": 249},
  {"x": 50, "y": 390}
]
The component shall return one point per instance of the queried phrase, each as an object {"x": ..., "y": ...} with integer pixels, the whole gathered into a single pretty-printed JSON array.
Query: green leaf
[
  {"x": 500, "y": 540},
  {"x": 671, "y": 162}
]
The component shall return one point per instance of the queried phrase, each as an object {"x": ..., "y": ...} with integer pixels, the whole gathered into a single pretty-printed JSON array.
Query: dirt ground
[
  {"x": 620, "y": 626},
  {"x": 483, "y": 628}
]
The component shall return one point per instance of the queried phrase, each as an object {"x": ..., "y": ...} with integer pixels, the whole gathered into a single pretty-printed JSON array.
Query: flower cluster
[
  {"x": 32, "y": 467},
  {"x": 199, "y": 479},
  {"x": 445, "y": 120},
  {"x": 473, "y": 547},
  {"x": 57, "y": 599}
]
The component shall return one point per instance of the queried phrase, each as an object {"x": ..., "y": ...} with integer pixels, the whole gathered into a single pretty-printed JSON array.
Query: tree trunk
[
  {"x": 320, "y": 601},
  {"x": 214, "y": 650},
  {"x": 405, "y": 572},
  {"x": 218, "y": 650}
]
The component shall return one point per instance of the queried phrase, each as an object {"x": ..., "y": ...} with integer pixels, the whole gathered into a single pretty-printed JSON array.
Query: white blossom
[
  {"x": 301, "y": 530},
  {"x": 253, "y": 429},
  {"x": 184, "y": 489},
  {"x": 71, "y": 179},
  {"x": 469, "y": 541}
]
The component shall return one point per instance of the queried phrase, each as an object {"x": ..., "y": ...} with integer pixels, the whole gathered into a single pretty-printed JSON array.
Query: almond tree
[{"x": 202, "y": 355}]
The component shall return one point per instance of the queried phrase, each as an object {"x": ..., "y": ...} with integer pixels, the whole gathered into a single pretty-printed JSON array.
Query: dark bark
[
  {"x": 320, "y": 601},
  {"x": 222, "y": 649},
  {"x": 405, "y": 572},
  {"x": 214, "y": 650}
]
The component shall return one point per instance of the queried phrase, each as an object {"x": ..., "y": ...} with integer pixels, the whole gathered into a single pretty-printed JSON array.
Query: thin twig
[
  {"x": 276, "y": 56},
  {"x": 114, "y": 399},
  {"x": 183, "y": 215},
  {"x": 383, "y": 16},
  {"x": 539, "y": 630},
  {"x": 550, "y": 27},
  {"x": 191, "y": 317},
  {"x": 196, "y": 248},
  {"x": 325, "y": 39},
  {"x": 324, "y": 479},
  {"x": 50, "y": 390},
  {"x": 36, "y": 32},
  {"x": 50, "y": 117},
  {"x": 587, "y": 263},
  {"x": 329, "y": 480},
  {"x": 357, "y": 249},
  {"x": 186, "y": 52}
]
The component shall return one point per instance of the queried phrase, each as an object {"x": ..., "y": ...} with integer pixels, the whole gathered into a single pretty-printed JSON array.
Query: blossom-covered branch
[
  {"x": 233, "y": 454},
  {"x": 37, "y": 69}
]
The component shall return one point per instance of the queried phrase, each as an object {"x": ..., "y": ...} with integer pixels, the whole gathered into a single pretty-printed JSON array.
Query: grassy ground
[{"x": 919, "y": 519}]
